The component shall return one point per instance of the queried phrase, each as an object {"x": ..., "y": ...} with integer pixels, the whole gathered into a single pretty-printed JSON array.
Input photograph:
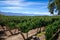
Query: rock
[
  {"x": 1, "y": 29},
  {"x": 7, "y": 33},
  {"x": 14, "y": 31}
]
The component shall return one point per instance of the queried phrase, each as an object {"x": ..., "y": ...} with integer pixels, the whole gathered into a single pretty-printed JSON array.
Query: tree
[
  {"x": 54, "y": 5},
  {"x": 10, "y": 26},
  {"x": 24, "y": 28},
  {"x": 51, "y": 30}
]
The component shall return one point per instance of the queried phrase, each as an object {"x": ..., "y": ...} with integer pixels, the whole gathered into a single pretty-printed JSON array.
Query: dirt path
[
  {"x": 15, "y": 37},
  {"x": 42, "y": 37},
  {"x": 19, "y": 37},
  {"x": 58, "y": 37}
]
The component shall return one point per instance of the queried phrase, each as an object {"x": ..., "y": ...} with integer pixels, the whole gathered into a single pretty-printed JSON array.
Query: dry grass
[{"x": 40, "y": 34}]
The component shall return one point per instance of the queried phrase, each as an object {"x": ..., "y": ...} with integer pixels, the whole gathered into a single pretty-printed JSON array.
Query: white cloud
[
  {"x": 44, "y": 13},
  {"x": 10, "y": 0},
  {"x": 21, "y": 5},
  {"x": 40, "y": 13},
  {"x": 36, "y": 3},
  {"x": 13, "y": 8}
]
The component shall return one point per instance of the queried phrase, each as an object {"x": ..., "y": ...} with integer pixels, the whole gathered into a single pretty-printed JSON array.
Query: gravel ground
[
  {"x": 58, "y": 37},
  {"x": 42, "y": 37},
  {"x": 15, "y": 37}
]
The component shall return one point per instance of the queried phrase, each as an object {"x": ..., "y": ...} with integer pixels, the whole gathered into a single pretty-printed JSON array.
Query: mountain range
[{"x": 20, "y": 14}]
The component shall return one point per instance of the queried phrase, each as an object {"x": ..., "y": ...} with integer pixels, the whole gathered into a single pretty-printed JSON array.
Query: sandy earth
[
  {"x": 15, "y": 37},
  {"x": 58, "y": 37},
  {"x": 19, "y": 37},
  {"x": 42, "y": 37}
]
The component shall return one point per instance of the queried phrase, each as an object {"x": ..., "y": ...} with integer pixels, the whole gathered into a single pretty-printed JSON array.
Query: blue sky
[{"x": 25, "y": 6}]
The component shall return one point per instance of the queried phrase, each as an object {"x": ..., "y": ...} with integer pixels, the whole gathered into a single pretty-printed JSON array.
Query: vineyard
[{"x": 26, "y": 23}]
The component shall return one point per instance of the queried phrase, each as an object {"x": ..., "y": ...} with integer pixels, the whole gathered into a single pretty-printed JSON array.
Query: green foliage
[
  {"x": 51, "y": 29},
  {"x": 11, "y": 25},
  {"x": 26, "y": 23},
  {"x": 54, "y": 5}
]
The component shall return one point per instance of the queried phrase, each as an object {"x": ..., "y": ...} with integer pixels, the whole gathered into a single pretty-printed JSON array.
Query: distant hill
[{"x": 20, "y": 14}]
